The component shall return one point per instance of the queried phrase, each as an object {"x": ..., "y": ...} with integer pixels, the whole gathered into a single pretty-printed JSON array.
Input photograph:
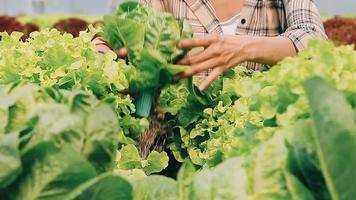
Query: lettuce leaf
[
  {"x": 155, "y": 187},
  {"x": 50, "y": 172},
  {"x": 150, "y": 36},
  {"x": 130, "y": 159},
  {"x": 10, "y": 159},
  {"x": 104, "y": 187},
  {"x": 335, "y": 135}
]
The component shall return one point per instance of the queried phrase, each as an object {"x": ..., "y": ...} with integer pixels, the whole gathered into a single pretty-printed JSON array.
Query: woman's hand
[
  {"x": 102, "y": 46},
  {"x": 221, "y": 52}
]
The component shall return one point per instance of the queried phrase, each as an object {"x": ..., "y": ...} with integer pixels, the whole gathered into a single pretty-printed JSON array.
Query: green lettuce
[
  {"x": 129, "y": 159},
  {"x": 76, "y": 118},
  {"x": 10, "y": 159},
  {"x": 104, "y": 187},
  {"x": 49, "y": 169},
  {"x": 243, "y": 109},
  {"x": 335, "y": 135},
  {"x": 150, "y": 36},
  {"x": 55, "y": 142},
  {"x": 51, "y": 59},
  {"x": 155, "y": 187}
]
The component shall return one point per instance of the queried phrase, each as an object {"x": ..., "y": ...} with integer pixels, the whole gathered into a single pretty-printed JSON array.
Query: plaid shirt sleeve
[{"x": 303, "y": 22}]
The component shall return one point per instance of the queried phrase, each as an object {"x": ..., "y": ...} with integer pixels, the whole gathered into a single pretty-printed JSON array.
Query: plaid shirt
[{"x": 299, "y": 20}]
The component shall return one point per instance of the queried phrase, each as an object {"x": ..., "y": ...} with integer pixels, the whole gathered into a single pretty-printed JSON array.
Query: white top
[{"x": 229, "y": 27}]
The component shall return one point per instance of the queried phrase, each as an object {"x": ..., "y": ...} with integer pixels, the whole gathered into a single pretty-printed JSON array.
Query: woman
[{"x": 240, "y": 32}]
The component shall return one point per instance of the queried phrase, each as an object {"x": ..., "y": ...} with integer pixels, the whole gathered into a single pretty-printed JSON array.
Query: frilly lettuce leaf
[{"x": 129, "y": 159}]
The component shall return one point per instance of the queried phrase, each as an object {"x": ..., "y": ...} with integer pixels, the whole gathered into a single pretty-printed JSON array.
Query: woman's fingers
[
  {"x": 200, "y": 67},
  {"x": 204, "y": 41},
  {"x": 122, "y": 53},
  {"x": 103, "y": 47},
  {"x": 211, "y": 78},
  {"x": 210, "y": 52}
]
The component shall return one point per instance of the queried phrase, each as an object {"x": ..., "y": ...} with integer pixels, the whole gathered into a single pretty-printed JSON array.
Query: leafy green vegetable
[
  {"x": 54, "y": 143},
  {"x": 103, "y": 187},
  {"x": 185, "y": 179},
  {"x": 296, "y": 188},
  {"x": 271, "y": 175},
  {"x": 51, "y": 59},
  {"x": 335, "y": 136},
  {"x": 302, "y": 159},
  {"x": 130, "y": 159},
  {"x": 150, "y": 36},
  {"x": 59, "y": 60},
  {"x": 155, "y": 187},
  {"x": 65, "y": 117},
  {"x": 227, "y": 181},
  {"x": 155, "y": 162},
  {"x": 174, "y": 97},
  {"x": 10, "y": 160},
  {"x": 244, "y": 109},
  {"x": 288, "y": 134},
  {"x": 51, "y": 172}
]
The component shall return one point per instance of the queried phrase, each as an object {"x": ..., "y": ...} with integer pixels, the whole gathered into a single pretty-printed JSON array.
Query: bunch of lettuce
[
  {"x": 52, "y": 140},
  {"x": 51, "y": 59},
  {"x": 287, "y": 128},
  {"x": 57, "y": 144},
  {"x": 301, "y": 161},
  {"x": 245, "y": 109},
  {"x": 150, "y": 36}
]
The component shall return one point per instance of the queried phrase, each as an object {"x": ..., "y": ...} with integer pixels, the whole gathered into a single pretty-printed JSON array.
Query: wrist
[{"x": 251, "y": 48}]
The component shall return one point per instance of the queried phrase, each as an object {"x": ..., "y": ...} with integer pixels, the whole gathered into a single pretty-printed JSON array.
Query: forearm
[{"x": 269, "y": 50}]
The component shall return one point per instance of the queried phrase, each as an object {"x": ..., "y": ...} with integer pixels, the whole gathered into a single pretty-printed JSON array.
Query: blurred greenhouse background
[{"x": 101, "y": 7}]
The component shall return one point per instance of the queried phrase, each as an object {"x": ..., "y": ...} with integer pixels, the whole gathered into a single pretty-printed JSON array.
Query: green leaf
[
  {"x": 134, "y": 126},
  {"x": 335, "y": 135},
  {"x": 176, "y": 69},
  {"x": 101, "y": 137},
  {"x": 10, "y": 160},
  {"x": 187, "y": 31},
  {"x": 104, "y": 187},
  {"x": 130, "y": 158},
  {"x": 148, "y": 72},
  {"x": 303, "y": 161},
  {"x": 151, "y": 37},
  {"x": 174, "y": 97},
  {"x": 297, "y": 190},
  {"x": 227, "y": 182},
  {"x": 124, "y": 33},
  {"x": 51, "y": 172},
  {"x": 156, "y": 162},
  {"x": 268, "y": 178},
  {"x": 155, "y": 187},
  {"x": 185, "y": 179}
]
